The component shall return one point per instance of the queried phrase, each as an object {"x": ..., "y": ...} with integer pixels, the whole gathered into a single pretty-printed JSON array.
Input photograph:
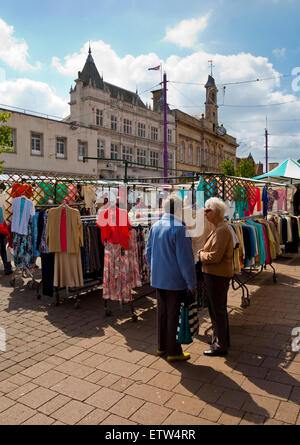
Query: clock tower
[{"x": 211, "y": 104}]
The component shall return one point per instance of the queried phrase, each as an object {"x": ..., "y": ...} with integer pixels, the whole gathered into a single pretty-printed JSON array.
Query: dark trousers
[
  {"x": 217, "y": 289},
  {"x": 6, "y": 264},
  {"x": 47, "y": 273},
  {"x": 168, "y": 311}
]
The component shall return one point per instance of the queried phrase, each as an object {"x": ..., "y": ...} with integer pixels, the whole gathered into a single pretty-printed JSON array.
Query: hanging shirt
[
  {"x": 114, "y": 224},
  {"x": 22, "y": 209},
  {"x": 282, "y": 199},
  {"x": 265, "y": 201}
]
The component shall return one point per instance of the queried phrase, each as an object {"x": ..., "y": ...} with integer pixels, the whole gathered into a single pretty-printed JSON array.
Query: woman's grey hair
[
  {"x": 216, "y": 204},
  {"x": 173, "y": 204}
]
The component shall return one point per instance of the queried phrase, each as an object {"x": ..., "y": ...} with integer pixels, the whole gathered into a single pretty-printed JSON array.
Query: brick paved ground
[{"x": 68, "y": 366}]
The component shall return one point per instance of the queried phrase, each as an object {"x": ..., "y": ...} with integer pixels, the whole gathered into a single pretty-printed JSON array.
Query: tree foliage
[
  {"x": 228, "y": 168},
  {"x": 5, "y": 135},
  {"x": 246, "y": 169}
]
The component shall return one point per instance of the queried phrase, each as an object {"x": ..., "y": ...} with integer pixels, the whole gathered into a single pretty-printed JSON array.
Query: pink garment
[
  {"x": 282, "y": 199},
  {"x": 63, "y": 231},
  {"x": 73, "y": 195}
]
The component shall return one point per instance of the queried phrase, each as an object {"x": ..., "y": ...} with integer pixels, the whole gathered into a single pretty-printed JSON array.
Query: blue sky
[{"x": 44, "y": 44}]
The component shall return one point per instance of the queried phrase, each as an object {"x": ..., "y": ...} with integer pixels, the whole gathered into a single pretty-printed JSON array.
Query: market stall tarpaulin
[{"x": 288, "y": 171}]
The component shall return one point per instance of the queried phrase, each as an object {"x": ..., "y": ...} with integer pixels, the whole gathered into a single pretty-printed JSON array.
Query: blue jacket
[{"x": 170, "y": 255}]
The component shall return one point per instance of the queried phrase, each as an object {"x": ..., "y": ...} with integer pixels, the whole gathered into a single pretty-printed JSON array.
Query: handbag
[{"x": 188, "y": 325}]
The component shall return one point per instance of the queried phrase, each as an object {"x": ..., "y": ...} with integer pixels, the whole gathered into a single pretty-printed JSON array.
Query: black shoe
[{"x": 215, "y": 353}]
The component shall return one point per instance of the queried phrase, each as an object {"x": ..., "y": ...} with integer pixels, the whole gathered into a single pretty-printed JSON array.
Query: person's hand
[{"x": 199, "y": 253}]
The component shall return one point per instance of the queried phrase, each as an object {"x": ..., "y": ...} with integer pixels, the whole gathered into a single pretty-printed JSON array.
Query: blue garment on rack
[
  {"x": 261, "y": 244},
  {"x": 34, "y": 232},
  {"x": 200, "y": 193},
  {"x": 265, "y": 200},
  {"x": 183, "y": 194}
]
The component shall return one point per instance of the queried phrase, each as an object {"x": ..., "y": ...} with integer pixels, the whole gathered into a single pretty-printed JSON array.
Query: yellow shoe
[
  {"x": 160, "y": 353},
  {"x": 183, "y": 356}
]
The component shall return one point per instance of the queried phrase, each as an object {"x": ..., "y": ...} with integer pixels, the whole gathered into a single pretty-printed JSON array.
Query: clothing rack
[{"x": 251, "y": 272}]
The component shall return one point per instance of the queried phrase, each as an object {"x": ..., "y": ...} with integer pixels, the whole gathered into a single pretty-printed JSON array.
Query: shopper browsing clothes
[
  {"x": 170, "y": 256},
  {"x": 216, "y": 259}
]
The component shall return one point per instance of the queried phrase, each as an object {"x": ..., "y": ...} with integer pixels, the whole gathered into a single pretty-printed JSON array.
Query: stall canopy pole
[{"x": 165, "y": 131}]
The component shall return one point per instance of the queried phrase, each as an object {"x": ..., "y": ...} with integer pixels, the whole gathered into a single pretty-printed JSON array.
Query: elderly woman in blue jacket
[{"x": 170, "y": 256}]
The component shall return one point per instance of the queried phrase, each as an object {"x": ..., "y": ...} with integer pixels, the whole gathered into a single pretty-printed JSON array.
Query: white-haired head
[
  {"x": 173, "y": 204},
  {"x": 217, "y": 205}
]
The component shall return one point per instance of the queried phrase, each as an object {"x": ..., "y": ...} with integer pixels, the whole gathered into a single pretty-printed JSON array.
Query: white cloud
[
  {"x": 12, "y": 51},
  {"x": 35, "y": 96},
  {"x": 186, "y": 32},
  {"x": 279, "y": 52}
]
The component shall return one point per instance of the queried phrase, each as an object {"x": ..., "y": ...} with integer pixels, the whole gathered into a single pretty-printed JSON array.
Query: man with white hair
[
  {"x": 216, "y": 258},
  {"x": 170, "y": 256}
]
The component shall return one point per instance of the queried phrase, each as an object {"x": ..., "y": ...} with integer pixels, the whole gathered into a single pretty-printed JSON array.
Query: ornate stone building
[
  {"x": 202, "y": 145},
  {"x": 107, "y": 124}
]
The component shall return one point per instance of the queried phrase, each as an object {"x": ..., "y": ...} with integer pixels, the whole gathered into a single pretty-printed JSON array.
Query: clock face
[{"x": 221, "y": 131}]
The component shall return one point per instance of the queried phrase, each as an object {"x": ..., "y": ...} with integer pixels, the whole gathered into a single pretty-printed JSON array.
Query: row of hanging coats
[
  {"x": 108, "y": 249},
  {"x": 256, "y": 243}
]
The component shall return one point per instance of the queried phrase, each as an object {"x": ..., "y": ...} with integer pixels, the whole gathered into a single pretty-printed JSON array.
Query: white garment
[
  {"x": 230, "y": 209},
  {"x": 3, "y": 204},
  {"x": 20, "y": 221}
]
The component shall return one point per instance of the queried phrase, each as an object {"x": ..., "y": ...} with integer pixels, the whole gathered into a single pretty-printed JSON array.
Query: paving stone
[
  {"x": 232, "y": 399},
  {"x": 165, "y": 381},
  {"x": 273, "y": 422},
  {"x": 116, "y": 420},
  {"x": 16, "y": 414},
  {"x": 187, "y": 387},
  {"x": 96, "y": 376},
  {"x": 210, "y": 393},
  {"x": 50, "y": 378},
  {"x": 252, "y": 419},
  {"x": 39, "y": 419},
  {"x": 95, "y": 417},
  {"x": 122, "y": 353},
  {"x": 179, "y": 418},
  {"x": 54, "y": 404},
  {"x": 5, "y": 403},
  {"x": 21, "y": 391},
  {"x": 37, "y": 370},
  {"x": 72, "y": 412},
  {"x": 74, "y": 369},
  {"x": 263, "y": 406},
  {"x": 70, "y": 352},
  {"x": 287, "y": 412},
  {"x": 122, "y": 384},
  {"x": 126, "y": 406},
  {"x": 150, "y": 414},
  {"x": 7, "y": 386},
  {"x": 37, "y": 397},
  {"x": 229, "y": 380},
  {"x": 251, "y": 371},
  {"x": 295, "y": 395},
  {"x": 94, "y": 360},
  {"x": 104, "y": 398},
  {"x": 108, "y": 380},
  {"x": 185, "y": 404},
  {"x": 149, "y": 393},
  {"x": 119, "y": 367},
  {"x": 212, "y": 412},
  {"x": 144, "y": 374},
  {"x": 75, "y": 388},
  {"x": 267, "y": 388},
  {"x": 230, "y": 416}
]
